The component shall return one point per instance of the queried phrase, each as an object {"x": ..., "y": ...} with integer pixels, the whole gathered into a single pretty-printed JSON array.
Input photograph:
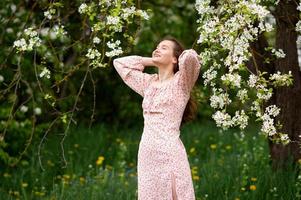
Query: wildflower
[
  {"x": 1, "y": 78},
  {"x": 195, "y": 177},
  {"x": 6, "y": 175},
  {"x": 24, "y": 184},
  {"x": 252, "y": 187},
  {"x": 23, "y": 109},
  {"x": 192, "y": 150},
  {"x": 213, "y": 146},
  {"x": 37, "y": 111},
  {"x": 253, "y": 179},
  {"x": 100, "y": 160},
  {"x": 82, "y": 180}
]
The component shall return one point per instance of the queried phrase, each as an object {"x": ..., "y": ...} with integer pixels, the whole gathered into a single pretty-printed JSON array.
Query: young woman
[{"x": 163, "y": 167}]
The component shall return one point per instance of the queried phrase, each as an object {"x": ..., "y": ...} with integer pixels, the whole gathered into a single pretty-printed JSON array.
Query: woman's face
[{"x": 163, "y": 54}]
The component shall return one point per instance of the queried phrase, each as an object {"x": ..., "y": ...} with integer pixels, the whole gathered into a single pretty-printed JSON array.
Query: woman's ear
[{"x": 174, "y": 60}]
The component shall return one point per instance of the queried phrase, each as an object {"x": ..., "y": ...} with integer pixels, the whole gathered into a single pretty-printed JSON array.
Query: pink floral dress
[{"x": 163, "y": 168}]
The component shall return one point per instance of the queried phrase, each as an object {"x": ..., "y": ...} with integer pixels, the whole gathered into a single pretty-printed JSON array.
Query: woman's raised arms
[{"x": 130, "y": 69}]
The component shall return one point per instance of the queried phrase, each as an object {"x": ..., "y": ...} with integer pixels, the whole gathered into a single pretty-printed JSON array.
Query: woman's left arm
[{"x": 189, "y": 69}]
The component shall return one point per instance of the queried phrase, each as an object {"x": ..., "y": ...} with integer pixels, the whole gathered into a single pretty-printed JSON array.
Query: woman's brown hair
[{"x": 191, "y": 107}]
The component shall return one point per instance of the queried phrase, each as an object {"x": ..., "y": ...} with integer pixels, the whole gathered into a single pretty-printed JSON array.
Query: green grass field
[{"x": 102, "y": 165}]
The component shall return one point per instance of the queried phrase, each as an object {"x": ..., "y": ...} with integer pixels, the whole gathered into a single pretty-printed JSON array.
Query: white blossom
[
  {"x": 209, "y": 75},
  {"x": 252, "y": 80},
  {"x": 23, "y": 109},
  {"x": 222, "y": 119},
  {"x": 264, "y": 93},
  {"x": 37, "y": 111},
  {"x": 111, "y": 20},
  {"x": 115, "y": 48},
  {"x": 1, "y": 78},
  {"x": 96, "y": 40},
  {"x": 20, "y": 44},
  {"x": 268, "y": 125},
  {"x": 143, "y": 14},
  {"x": 83, "y": 8},
  {"x": 298, "y": 26},
  {"x": 126, "y": 12},
  {"x": 202, "y": 6},
  {"x": 299, "y": 7},
  {"x": 232, "y": 79},
  {"x": 240, "y": 119},
  {"x": 45, "y": 73},
  {"x": 219, "y": 100},
  {"x": 284, "y": 138},
  {"x": 49, "y": 13},
  {"x": 278, "y": 53},
  {"x": 242, "y": 95},
  {"x": 281, "y": 79},
  {"x": 272, "y": 110},
  {"x": 93, "y": 53},
  {"x": 30, "y": 41}
]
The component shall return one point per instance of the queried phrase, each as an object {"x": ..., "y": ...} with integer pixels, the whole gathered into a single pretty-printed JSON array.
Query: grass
[{"x": 102, "y": 165}]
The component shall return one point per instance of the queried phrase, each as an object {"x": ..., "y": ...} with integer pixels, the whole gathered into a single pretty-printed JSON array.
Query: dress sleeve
[
  {"x": 130, "y": 70},
  {"x": 189, "y": 69}
]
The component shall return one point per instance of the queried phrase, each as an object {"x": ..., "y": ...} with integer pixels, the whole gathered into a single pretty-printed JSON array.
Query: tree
[{"x": 244, "y": 69}]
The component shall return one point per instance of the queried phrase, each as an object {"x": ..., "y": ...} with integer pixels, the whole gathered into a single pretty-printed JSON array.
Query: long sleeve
[
  {"x": 130, "y": 70},
  {"x": 189, "y": 69}
]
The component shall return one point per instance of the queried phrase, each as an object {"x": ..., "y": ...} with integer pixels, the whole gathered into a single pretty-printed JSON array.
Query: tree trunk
[{"x": 287, "y": 98}]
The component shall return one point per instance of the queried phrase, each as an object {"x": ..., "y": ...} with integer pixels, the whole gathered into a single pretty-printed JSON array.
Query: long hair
[{"x": 191, "y": 107}]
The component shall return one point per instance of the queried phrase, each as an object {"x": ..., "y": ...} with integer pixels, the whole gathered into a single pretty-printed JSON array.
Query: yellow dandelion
[
  {"x": 213, "y": 146},
  {"x": 16, "y": 193},
  {"x": 100, "y": 160},
  {"x": 76, "y": 145},
  {"x": 82, "y": 180},
  {"x": 37, "y": 193},
  {"x": 6, "y": 175},
  {"x": 237, "y": 198},
  {"x": 195, "y": 177},
  {"x": 194, "y": 169},
  {"x": 192, "y": 150},
  {"x": 24, "y": 184},
  {"x": 228, "y": 147},
  {"x": 50, "y": 163},
  {"x": 66, "y": 176},
  {"x": 121, "y": 174},
  {"x": 252, "y": 187},
  {"x": 253, "y": 179}
]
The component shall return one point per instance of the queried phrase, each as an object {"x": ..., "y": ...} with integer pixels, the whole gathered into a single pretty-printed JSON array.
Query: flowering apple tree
[
  {"x": 50, "y": 43},
  {"x": 241, "y": 76}
]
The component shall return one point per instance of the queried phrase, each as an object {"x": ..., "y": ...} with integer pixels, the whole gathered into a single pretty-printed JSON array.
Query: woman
[{"x": 163, "y": 167}]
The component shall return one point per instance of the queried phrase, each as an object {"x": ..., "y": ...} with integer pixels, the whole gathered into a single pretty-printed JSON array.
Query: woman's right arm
[{"x": 130, "y": 69}]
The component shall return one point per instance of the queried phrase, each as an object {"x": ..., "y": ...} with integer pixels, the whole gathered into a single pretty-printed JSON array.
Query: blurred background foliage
[{"x": 104, "y": 97}]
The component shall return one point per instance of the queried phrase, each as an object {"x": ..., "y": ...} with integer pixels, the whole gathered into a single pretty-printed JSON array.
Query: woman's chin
[{"x": 157, "y": 60}]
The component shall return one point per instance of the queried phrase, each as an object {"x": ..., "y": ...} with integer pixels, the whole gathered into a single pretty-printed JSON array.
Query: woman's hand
[{"x": 147, "y": 61}]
